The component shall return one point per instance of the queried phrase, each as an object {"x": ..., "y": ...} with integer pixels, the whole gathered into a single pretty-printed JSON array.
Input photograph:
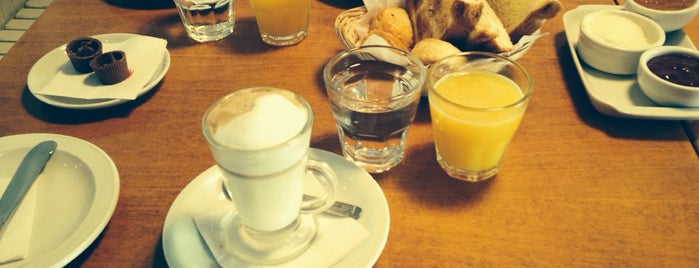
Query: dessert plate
[
  {"x": 620, "y": 95},
  {"x": 183, "y": 247},
  {"x": 53, "y": 60},
  {"x": 77, "y": 196}
]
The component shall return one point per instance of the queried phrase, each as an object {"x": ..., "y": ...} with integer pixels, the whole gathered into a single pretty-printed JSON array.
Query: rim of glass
[
  {"x": 525, "y": 94},
  {"x": 655, "y": 11},
  {"x": 413, "y": 59},
  {"x": 307, "y": 125}
]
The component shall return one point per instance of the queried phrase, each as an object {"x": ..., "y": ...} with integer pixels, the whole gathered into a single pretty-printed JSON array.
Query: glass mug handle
[{"x": 326, "y": 179}]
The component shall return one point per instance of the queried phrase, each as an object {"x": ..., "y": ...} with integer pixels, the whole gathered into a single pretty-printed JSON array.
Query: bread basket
[
  {"x": 346, "y": 23},
  {"x": 345, "y": 26}
]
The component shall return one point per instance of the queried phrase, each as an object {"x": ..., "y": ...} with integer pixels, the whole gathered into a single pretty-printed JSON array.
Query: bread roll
[
  {"x": 430, "y": 50},
  {"x": 394, "y": 20},
  {"x": 390, "y": 38},
  {"x": 443, "y": 19},
  {"x": 524, "y": 17}
]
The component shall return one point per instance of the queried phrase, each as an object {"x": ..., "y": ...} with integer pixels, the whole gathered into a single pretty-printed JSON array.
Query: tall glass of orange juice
[
  {"x": 282, "y": 22},
  {"x": 477, "y": 100}
]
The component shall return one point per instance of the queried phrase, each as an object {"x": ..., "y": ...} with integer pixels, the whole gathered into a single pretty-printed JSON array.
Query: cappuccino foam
[
  {"x": 272, "y": 120},
  {"x": 259, "y": 131}
]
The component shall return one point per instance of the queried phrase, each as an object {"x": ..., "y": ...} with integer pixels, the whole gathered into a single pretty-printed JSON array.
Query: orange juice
[
  {"x": 281, "y": 17},
  {"x": 475, "y": 119}
]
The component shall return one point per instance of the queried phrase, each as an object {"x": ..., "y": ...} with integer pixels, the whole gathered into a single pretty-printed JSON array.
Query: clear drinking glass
[
  {"x": 207, "y": 20},
  {"x": 260, "y": 139},
  {"x": 477, "y": 101},
  {"x": 374, "y": 92}
]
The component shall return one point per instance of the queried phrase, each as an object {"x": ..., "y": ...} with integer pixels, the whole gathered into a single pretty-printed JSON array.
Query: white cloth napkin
[
  {"x": 336, "y": 237},
  {"x": 15, "y": 237},
  {"x": 144, "y": 55}
]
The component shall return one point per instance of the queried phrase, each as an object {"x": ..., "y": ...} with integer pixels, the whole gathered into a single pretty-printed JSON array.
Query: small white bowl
[
  {"x": 669, "y": 20},
  {"x": 613, "y": 40},
  {"x": 664, "y": 92}
]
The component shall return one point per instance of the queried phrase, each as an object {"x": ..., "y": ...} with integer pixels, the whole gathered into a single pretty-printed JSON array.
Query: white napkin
[
  {"x": 144, "y": 55},
  {"x": 336, "y": 237},
  {"x": 15, "y": 237}
]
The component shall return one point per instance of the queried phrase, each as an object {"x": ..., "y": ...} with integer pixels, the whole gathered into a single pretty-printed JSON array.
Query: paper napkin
[
  {"x": 144, "y": 55},
  {"x": 15, "y": 237},
  {"x": 336, "y": 237}
]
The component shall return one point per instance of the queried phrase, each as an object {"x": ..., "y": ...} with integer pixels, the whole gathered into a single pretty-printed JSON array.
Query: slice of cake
[
  {"x": 81, "y": 51},
  {"x": 111, "y": 67}
]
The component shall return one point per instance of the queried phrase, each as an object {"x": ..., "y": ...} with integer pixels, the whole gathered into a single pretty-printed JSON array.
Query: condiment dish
[
  {"x": 672, "y": 15},
  {"x": 659, "y": 66},
  {"x": 612, "y": 40}
]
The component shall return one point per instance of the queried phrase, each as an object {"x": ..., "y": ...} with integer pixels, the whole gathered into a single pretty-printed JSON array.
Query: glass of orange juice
[
  {"x": 282, "y": 22},
  {"x": 477, "y": 100}
]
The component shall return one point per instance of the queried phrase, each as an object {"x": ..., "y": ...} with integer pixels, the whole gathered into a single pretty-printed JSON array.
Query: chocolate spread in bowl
[
  {"x": 677, "y": 68},
  {"x": 666, "y": 4}
]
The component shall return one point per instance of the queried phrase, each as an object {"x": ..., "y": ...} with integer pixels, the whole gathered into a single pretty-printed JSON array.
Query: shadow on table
[
  {"x": 327, "y": 142},
  {"x": 343, "y": 3},
  {"x": 142, "y": 4},
  {"x": 170, "y": 28},
  {"x": 420, "y": 176},
  {"x": 613, "y": 126},
  {"x": 80, "y": 259},
  {"x": 59, "y": 115},
  {"x": 159, "y": 255},
  {"x": 245, "y": 39}
]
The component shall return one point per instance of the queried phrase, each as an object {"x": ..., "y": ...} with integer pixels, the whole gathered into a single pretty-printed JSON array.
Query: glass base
[
  {"x": 374, "y": 161},
  {"x": 375, "y": 153},
  {"x": 467, "y": 175},
  {"x": 283, "y": 40},
  {"x": 268, "y": 248},
  {"x": 210, "y": 33}
]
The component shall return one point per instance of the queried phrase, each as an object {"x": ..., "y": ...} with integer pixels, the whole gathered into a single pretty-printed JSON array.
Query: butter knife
[{"x": 31, "y": 166}]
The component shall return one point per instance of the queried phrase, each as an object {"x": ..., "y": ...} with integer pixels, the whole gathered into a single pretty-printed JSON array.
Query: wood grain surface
[{"x": 576, "y": 189}]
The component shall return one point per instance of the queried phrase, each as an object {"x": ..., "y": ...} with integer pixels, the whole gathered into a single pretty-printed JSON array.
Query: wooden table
[{"x": 576, "y": 188}]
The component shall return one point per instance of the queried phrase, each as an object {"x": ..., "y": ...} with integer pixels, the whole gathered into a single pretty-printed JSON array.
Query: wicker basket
[{"x": 346, "y": 23}]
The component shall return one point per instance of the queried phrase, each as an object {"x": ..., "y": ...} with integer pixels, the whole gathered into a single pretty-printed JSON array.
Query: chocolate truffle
[
  {"x": 111, "y": 67},
  {"x": 81, "y": 51}
]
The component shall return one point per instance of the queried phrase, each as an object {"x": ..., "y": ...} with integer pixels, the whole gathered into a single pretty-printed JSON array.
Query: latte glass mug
[{"x": 260, "y": 139}]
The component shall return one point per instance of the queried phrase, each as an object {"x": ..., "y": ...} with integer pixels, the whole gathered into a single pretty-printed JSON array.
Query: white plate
[
  {"x": 620, "y": 95},
  {"x": 184, "y": 247},
  {"x": 52, "y": 62},
  {"x": 77, "y": 196}
]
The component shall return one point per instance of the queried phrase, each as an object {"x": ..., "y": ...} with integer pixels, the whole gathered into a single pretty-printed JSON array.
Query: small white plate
[
  {"x": 77, "y": 196},
  {"x": 53, "y": 60},
  {"x": 184, "y": 247},
  {"x": 620, "y": 95}
]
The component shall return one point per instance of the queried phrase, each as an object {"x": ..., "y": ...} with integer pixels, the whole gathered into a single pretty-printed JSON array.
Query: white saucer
[
  {"x": 79, "y": 191},
  {"x": 53, "y": 60},
  {"x": 184, "y": 247},
  {"x": 620, "y": 95}
]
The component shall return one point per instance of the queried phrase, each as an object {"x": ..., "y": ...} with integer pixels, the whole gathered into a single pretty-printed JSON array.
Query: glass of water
[
  {"x": 207, "y": 20},
  {"x": 374, "y": 92}
]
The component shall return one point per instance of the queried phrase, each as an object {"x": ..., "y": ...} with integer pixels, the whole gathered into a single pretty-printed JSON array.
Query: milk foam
[
  {"x": 261, "y": 131},
  {"x": 272, "y": 120}
]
